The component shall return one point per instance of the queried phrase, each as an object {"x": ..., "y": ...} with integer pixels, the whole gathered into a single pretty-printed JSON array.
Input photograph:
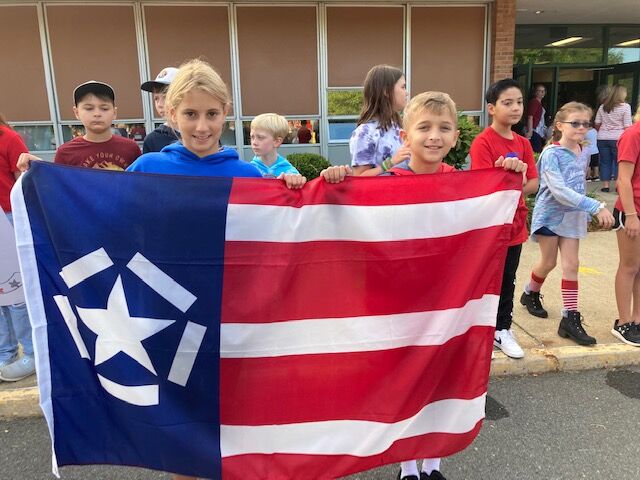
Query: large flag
[{"x": 231, "y": 328}]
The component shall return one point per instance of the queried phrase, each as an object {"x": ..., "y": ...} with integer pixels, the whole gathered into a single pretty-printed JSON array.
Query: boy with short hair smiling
[
  {"x": 268, "y": 131},
  {"x": 430, "y": 130},
  {"x": 505, "y": 104}
]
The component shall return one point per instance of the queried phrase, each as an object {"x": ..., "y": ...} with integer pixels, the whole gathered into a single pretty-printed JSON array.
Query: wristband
[
  {"x": 386, "y": 165},
  {"x": 631, "y": 214}
]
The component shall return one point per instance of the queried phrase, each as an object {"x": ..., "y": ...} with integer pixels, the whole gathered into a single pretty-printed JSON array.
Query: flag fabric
[{"x": 232, "y": 328}]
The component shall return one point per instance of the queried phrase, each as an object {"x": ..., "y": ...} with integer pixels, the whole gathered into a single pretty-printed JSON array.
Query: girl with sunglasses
[{"x": 561, "y": 214}]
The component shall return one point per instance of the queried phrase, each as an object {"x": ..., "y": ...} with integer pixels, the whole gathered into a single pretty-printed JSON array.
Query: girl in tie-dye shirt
[{"x": 375, "y": 144}]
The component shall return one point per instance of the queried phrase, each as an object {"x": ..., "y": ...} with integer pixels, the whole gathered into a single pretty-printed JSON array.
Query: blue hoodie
[{"x": 177, "y": 160}]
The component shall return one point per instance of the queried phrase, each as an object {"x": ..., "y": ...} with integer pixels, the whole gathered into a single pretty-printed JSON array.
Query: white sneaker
[
  {"x": 19, "y": 369},
  {"x": 505, "y": 341}
]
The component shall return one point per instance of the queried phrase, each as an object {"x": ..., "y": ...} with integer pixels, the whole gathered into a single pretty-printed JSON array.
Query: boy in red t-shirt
[
  {"x": 505, "y": 104},
  {"x": 94, "y": 106}
]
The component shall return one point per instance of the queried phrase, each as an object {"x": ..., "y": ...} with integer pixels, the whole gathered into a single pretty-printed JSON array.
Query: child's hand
[
  {"x": 632, "y": 226},
  {"x": 402, "y": 154},
  {"x": 511, "y": 163},
  {"x": 293, "y": 181},
  {"x": 23, "y": 161},
  {"x": 605, "y": 219},
  {"x": 336, "y": 174}
]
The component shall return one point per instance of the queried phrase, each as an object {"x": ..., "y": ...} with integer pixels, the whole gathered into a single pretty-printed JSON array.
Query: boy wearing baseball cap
[
  {"x": 94, "y": 106},
  {"x": 166, "y": 133}
]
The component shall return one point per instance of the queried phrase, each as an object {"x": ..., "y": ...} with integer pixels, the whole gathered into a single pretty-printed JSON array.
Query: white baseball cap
[{"x": 164, "y": 78}]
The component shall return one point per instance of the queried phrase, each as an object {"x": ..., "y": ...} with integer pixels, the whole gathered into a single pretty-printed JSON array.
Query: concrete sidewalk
[{"x": 545, "y": 351}]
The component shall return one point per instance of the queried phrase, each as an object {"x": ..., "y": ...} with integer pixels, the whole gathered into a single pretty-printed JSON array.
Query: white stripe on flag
[
  {"x": 161, "y": 283},
  {"x": 263, "y": 223},
  {"x": 85, "y": 267},
  {"x": 355, "y": 334},
  {"x": 351, "y": 437},
  {"x": 72, "y": 323},
  {"x": 186, "y": 354}
]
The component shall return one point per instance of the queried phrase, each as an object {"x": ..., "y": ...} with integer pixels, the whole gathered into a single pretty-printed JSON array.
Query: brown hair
[
  {"x": 436, "y": 102},
  {"x": 614, "y": 97},
  {"x": 3, "y": 123},
  {"x": 378, "y": 96},
  {"x": 562, "y": 115}
]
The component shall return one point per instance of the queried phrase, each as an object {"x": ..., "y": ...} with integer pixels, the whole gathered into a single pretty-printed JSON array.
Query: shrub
[
  {"x": 457, "y": 157},
  {"x": 308, "y": 164}
]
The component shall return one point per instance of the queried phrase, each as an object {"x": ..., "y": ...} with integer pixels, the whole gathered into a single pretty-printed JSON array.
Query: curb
[{"x": 24, "y": 402}]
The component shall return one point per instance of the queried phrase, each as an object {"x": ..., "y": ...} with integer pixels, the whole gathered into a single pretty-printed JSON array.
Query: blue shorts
[{"x": 545, "y": 232}]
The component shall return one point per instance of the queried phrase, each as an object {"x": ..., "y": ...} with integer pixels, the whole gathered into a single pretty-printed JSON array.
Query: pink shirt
[{"x": 612, "y": 124}]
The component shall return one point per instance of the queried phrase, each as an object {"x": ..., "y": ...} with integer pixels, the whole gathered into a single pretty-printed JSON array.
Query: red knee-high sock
[
  {"x": 535, "y": 284},
  {"x": 569, "y": 295}
]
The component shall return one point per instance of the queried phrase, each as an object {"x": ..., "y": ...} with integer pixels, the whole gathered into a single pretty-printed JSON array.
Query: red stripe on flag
[
  {"x": 375, "y": 190},
  {"x": 380, "y": 386},
  {"x": 272, "y": 282},
  {"x": 305, "y": 467}
]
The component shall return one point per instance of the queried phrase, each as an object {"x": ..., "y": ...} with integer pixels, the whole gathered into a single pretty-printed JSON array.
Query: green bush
[
  {"x": 308, "y": 164},
  {"x": 457, "y": 157}
]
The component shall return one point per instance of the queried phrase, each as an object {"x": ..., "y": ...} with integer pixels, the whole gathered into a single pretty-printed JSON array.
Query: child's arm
[
  {"x": 24, "y": 160},
  {"x": 336, "y": 174},
  {"x": 561, "y": 192}
]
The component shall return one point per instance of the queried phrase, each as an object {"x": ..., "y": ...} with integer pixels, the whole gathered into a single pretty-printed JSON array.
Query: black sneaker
[
  {"x": 571, "y": 327},
  {"x": 435, "y": 475},
  {"x": 533, "y": 302},
  {"x": 629, "y": 333}
]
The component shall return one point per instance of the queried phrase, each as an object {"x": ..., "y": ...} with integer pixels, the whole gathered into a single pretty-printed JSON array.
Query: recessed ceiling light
[
  {"x": 564, "y": 41},
  {"x": 538, "y": 12},
  {"x": 629, "y": 43}
]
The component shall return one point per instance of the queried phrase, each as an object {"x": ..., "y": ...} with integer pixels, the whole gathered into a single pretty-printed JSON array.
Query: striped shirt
[{"x": 612, "y": 124}]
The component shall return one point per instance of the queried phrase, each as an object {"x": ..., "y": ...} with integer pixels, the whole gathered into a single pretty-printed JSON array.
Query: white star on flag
[{"x": 118, "y": 331}]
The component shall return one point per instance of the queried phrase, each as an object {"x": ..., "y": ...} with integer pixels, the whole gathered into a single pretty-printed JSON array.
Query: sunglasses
[{"x": 579, "y": 124}]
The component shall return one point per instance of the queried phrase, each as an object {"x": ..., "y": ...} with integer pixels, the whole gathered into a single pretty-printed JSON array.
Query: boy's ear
[
  {"x": 278, "y": 141},
  {"x": 171, "y": 115},
  {"x": 115, "y": 112},
  {"x": 455, "y": 139},
  {"x": 491, "y": 108},
  {"x": 75, "y": 112},
  {"x": 403, "y": 136}
]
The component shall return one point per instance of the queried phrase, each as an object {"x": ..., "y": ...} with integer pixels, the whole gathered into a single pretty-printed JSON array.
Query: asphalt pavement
[{"x": 557, "y": 426}]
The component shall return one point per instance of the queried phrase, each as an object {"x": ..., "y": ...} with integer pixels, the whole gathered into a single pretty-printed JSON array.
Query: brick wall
[{"x": 502, "y": 38}]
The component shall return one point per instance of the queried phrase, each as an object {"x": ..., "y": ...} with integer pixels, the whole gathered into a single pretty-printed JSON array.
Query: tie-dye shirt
[
  {"x": 562, "y": 204},
  {"x": 369, "y": 145}
]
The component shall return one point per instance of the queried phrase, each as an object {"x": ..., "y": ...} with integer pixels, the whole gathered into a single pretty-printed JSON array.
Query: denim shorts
[{"x": 545, "y": 232}]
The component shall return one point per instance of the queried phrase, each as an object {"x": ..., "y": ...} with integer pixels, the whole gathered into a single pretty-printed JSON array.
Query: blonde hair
[
  {"x": 563, "y": 113},
  {"x": 614, "y": 97},
  {"x": 436, "y": 102},
  {"x": 197, "y": 74},
  {"x": 273, "y": 123}
]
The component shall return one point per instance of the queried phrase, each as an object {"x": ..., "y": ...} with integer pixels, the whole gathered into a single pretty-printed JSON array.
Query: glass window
[
  {"x": 300, "y": 131},
  {"x": 134, "y": 131},
  {"x": 341, "y": 130},
  {"x": 39, "y": 138},
  {"x": 569, "y": 44},
  {"x": 624, "y": 44},
  {"x": 345, "y": 102},
  {"x": 228, "y": 137}
]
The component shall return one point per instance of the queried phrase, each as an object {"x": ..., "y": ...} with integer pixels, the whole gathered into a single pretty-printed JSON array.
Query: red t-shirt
[
  {"x": 629, "y": 151},
  {"x": 485, "y": 150},
  {"x": 403, "y": 169},
  {"x": 114, "y": 154},
  {"x": 11, "y": 146},
  {"x": 534, "y": 109}
]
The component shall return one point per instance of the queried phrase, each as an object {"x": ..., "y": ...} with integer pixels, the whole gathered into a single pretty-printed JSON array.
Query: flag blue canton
[{"x": 119, "y": 395}]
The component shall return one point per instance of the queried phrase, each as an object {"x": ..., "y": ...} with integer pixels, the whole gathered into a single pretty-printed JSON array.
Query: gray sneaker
[{"x": 19, "y": 369}]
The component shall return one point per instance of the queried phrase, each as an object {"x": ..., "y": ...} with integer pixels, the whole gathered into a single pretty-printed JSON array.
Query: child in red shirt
[{"x": 505, "y": 104}]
